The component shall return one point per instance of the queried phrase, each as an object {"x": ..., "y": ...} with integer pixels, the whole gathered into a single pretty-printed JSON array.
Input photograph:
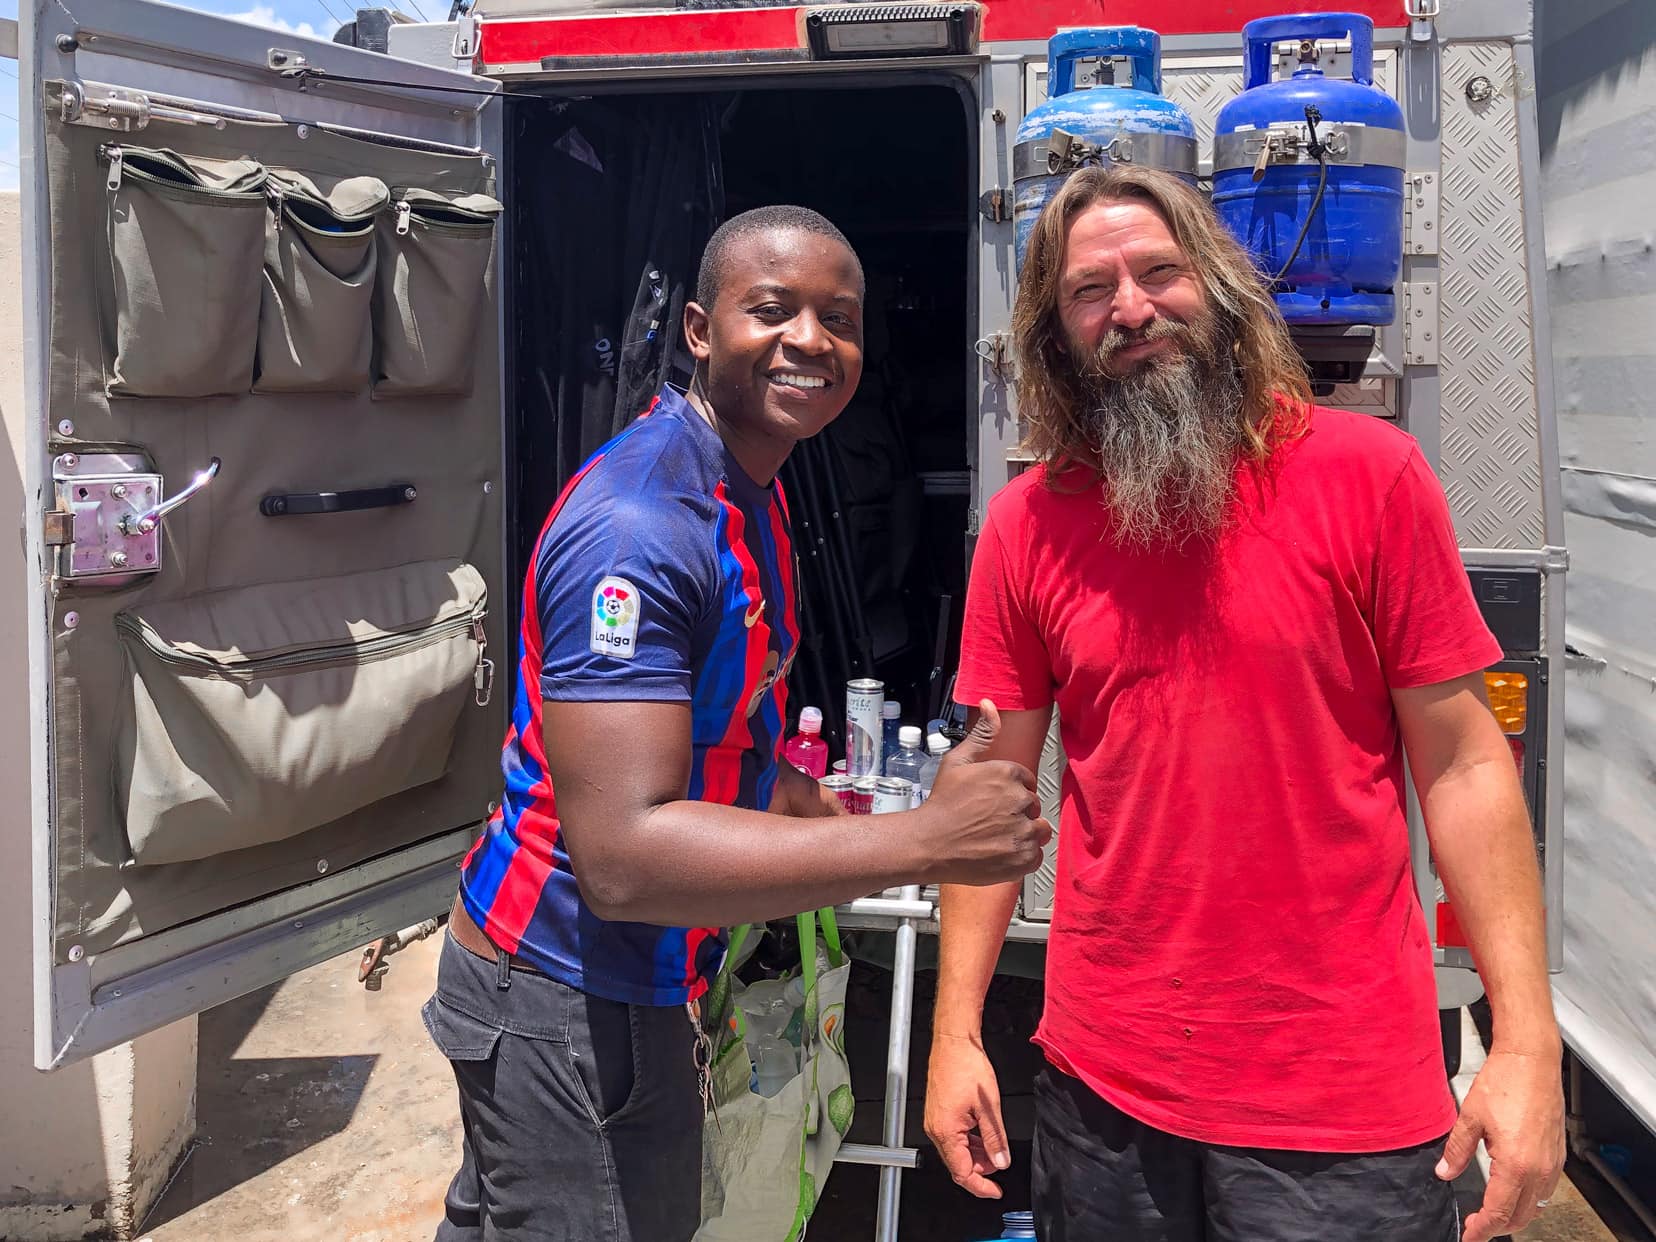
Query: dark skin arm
[{"x": 643, "y": 852}]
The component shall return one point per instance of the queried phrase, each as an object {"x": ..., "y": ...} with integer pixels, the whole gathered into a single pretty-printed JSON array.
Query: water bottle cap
[
  {"x": 810, "y": 720},
  {"x": 839, "y": 766},
  {"x": 892, "y": 710},
  {"x": 937, "y": 744},
  {"x": 909, "y": 735}
]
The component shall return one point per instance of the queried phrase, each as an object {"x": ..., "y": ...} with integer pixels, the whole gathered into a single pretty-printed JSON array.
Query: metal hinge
[
  {"x": 993, "y": 205},
  {"x": 1421, "y": 15},
  {"x": 1420, "y": 323},
  {"x": 465, "y": 39},
  {"x": 1420, "y": 213}
]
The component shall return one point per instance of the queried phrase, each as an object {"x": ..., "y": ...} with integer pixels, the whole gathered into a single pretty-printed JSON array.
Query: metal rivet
[
  {"x": 409, "y": 493},
  {"x": 114, "y": 991},
  {"x": 69, "y": 461},
  {"x": 1428, "y": 178},
  {"x": 493, "y": 807},
  {"x": 488, "y": 486},
  {"x": 321, "y": 866},
  {"x": 1178, "y": 983},
  {"x": 1428, "y": 336},
  {"x": 66, "y": 428},
  {"x": 76, "y": 953},
  {"x": 71, "y": 620},
  {"x": 303, "y": 131},
  {"x": 298, "y": 924},
  {"x": 114, "y": 122}
]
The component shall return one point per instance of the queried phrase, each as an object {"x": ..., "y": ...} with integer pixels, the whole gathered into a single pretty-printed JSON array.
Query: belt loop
[{"x": 503, "y": 969}]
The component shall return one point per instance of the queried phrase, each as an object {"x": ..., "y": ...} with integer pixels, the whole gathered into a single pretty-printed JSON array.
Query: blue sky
[{"x": 307, "y": 17}]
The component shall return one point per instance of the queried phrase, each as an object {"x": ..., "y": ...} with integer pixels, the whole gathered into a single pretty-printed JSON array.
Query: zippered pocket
[
  {"x": 258, "y": 714},
  {"x": 186, "y": 242},
  {"x": 315, "y": 318},
  {"x": 432, "y": 288}
]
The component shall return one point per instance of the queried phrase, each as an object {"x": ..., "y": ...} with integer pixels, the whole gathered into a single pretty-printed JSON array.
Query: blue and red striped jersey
[{"x": 663, "y": 573}]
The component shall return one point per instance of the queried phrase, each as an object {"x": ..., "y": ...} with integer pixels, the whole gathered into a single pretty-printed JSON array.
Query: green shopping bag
[{"x": 765, "y": 1159}]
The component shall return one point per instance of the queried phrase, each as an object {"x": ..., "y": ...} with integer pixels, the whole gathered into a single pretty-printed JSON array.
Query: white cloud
[{"x": 266, "y": 15}]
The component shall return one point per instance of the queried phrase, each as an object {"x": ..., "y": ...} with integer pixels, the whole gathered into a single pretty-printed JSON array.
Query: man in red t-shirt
[{"x": 1247, "y": 610}]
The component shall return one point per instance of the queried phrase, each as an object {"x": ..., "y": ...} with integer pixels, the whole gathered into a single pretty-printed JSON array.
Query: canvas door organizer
[
  {"x": 431, "y": 290},
  {"x": 315, "y": 316},
  {"x": 186, "y": 242},
  {"x": 256, "y": 714}
]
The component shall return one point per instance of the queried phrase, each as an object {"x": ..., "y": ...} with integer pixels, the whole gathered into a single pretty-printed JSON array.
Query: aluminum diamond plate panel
[
  {"x": 1038, "y": 885},
  {"x": 1491, "y": 456}
]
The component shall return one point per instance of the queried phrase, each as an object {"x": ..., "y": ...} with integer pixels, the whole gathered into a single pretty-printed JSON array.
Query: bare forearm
[
  {"x": 974, "y": 922},
  {"x": 1480, "y": 836},
  {"x": 699, "y": 864}
]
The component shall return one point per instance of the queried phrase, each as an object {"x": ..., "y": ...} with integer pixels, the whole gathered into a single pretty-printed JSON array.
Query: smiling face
[
  {"x": 779, "y": 352},
  {"x": 1128, "y": 293}
]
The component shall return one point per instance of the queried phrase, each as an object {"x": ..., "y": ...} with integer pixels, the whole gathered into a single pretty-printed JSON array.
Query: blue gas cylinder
[
  {"x": 1104, "y": 125},
  {"x": 1308, "y": 174},
  {"x": 1015, "y": 1225}
]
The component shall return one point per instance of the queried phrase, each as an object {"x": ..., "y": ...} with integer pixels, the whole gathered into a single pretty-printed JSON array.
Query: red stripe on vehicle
[
  {"x": 639, "y": 36},
  {"x": 1449, "y": 933}
]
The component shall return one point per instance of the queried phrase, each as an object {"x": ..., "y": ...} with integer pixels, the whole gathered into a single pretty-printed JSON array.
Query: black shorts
[
  {"x": 581, "y": 1117},
  {"x": 1101, "y": 1176}
]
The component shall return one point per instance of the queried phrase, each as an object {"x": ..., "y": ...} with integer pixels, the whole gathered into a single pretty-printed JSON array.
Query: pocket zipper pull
[
  {"x": 116, "y": 159},
  {"x": 404, "y": 214},
  {"x": 276, "y": 204},
  {"x": 483, "y": 674}
]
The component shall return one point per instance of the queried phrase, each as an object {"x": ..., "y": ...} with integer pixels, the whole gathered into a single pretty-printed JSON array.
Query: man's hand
[
  {"x": 800, "y": 796},
  {"x": 1516, "y": 1106},
  {"x": 963, "y": 1114}
]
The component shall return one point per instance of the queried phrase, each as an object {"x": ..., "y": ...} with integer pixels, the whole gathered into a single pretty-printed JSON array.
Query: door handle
[{"x": 145, "y": 522}]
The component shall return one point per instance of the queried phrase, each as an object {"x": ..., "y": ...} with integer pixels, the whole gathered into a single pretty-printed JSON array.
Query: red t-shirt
[{"x": 1237, "y": 951}]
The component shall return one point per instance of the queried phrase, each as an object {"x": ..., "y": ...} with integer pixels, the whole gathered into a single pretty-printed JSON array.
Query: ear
[{"x": 697, "y": 331}]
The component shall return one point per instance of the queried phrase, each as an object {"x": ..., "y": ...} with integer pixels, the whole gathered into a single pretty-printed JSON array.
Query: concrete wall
[{"x": 86, "y": 1150}]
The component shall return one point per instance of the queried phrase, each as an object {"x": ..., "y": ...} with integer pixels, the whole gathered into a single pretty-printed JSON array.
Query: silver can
[
  {"x": 893, "y": 793},
  {"x": 864, "y": 703}
]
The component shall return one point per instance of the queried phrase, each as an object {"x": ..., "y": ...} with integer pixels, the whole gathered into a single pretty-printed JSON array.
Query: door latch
[{"x": 109, "y": 512}]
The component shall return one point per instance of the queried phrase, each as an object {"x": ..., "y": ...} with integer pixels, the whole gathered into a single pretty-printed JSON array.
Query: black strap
[{"x": 291, "y": 504}]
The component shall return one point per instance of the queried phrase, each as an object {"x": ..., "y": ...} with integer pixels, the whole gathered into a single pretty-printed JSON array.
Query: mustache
[{"x": 1195, "y": 339}]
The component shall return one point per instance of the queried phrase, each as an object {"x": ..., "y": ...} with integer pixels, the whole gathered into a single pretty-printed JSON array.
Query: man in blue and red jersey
[
  {"x": 644, "y": 805},
  {"x": 1247, "y": 610}
]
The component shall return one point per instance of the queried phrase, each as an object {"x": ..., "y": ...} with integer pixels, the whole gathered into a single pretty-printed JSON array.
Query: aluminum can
[
  {"x": 842, "y": 788},
  {"x": 862, "y": 791},
  {"x": 864, "y": 726},
  {"x": 893, "y": 793}
]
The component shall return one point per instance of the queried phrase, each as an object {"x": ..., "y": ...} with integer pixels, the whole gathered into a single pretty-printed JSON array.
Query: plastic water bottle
[
  {"x": 891, "y": 727},
  {"x": 937, "y": 746},
  {"x": 908, "y": 760},
  {"x": 1018, "y": 1225},
  {"x": 806, "y": 750},
  {"x": 774, "y": 1063}
]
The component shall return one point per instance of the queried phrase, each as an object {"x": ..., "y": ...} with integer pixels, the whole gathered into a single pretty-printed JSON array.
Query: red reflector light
[
  {"x": 1517, "y": 744},
  {"x": 1449, "y": 933}
]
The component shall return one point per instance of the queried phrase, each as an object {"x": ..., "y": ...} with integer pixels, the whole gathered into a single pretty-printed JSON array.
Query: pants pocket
[
  {"x": 607, "y": 1055},
  {"x": 186, "y": 241},
  {"x": 315, "y": 318},
  {"x": 430, "y": 291}
]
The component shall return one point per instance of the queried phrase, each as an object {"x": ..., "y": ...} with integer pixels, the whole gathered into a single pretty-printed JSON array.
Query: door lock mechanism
[{"x": 109, "y": 513}]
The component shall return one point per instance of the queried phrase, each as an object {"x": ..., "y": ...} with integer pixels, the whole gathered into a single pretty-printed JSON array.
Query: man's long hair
[{"x": 1050, "y": 387}]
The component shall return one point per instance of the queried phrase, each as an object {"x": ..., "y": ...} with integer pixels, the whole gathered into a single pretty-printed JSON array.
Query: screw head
[
  {"x": 321, "y": 866},
  {"x": 409, "y": 493},
  {"x": 76, "y": 953},
  {"x": 303, "y": 131},
  {"x": 71, "y": 620},
  {"x": 66, "y": 428},
  {"x": 118, "y": 559},
  {"x": 118, "y": 490},
  {"x": 1480, "y": 90},
  {"x": 67, "y": 43},
  {"x": 488, "y": 486},
  {"x": 69, "y": 461}
]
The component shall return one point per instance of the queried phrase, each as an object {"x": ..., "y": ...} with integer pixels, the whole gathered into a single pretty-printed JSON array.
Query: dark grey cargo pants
[{"x": 581, "y": 1116}]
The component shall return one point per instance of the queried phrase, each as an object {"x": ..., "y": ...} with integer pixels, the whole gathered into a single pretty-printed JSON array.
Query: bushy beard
[{"x": 1167, "y": 432}]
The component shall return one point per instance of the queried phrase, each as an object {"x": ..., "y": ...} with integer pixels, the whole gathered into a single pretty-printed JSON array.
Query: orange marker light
[{"x": 1508, "y": 699}]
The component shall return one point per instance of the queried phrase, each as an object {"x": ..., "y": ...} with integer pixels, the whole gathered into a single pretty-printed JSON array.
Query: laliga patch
[{"x": 615, "y": 619}]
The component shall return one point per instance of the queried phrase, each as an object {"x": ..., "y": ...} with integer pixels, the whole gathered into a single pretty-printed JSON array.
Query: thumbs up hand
[{"x": 982, "y": 823}]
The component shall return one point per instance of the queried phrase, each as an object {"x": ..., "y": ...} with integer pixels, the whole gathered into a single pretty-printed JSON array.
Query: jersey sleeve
[
  {"x": 1426, "y": 623},
  {"x": 621, "y": 583},
  {"x": 1002, "y": 654}
]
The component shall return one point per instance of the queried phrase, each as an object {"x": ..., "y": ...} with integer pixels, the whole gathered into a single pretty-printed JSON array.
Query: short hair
[{"x": 716, "y": 258}]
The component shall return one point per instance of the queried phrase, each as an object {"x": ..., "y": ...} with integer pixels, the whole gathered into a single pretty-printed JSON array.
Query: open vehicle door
[{"x": 265, "y": 503}]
